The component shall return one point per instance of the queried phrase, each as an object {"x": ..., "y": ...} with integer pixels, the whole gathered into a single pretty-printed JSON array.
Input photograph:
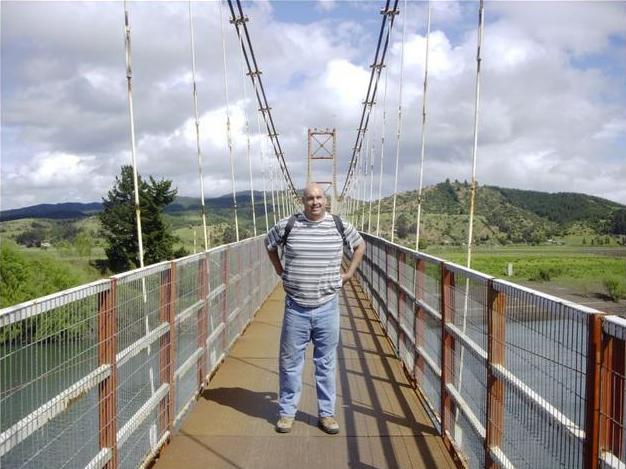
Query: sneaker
[
  {"x": 329, "y": 425},
  {"x": 284, "y": 424}
]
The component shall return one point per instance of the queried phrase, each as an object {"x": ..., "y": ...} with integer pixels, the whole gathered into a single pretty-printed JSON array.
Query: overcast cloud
[{"x": 553, "y": 93}]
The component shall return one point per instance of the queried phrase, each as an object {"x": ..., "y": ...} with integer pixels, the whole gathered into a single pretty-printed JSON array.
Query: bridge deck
[{"x": 383, "y": 423}]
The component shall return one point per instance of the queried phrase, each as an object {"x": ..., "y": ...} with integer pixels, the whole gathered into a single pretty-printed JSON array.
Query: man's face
[{"x": 314, "y": 203}]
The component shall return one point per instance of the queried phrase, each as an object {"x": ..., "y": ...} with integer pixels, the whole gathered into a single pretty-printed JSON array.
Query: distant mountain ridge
[
  {"x": 70, "y": 210},
  {"x": 502, "y": 214}
]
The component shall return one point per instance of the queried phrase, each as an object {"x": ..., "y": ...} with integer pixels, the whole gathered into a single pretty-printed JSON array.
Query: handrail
[
  {"x": 527, "y": 397},
  {"x": 104, "y": 356}
]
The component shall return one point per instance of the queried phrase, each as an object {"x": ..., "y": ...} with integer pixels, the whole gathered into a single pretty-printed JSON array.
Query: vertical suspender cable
[
  {"x": 473, "y": 186},
  {"x": 369, "y": 213},
  {"x": 382, "y": 153},
  {"x": 247, "y": 128},
  {"x": 271, "y": 172},
  {"x": 262, "y": 153},
  {"x": 197, "y": 124},
  {"x": 356, "y": 189},
  {"x": 364, "y": 182},
  {"x": 423, "y": 142},
  {"x": 129, "y": 79},
  {"x": 284, "y": 195},
  {"x": 398, "y": 128},
  {"x": 129, "y": 75},
  {"x": 475, "y": 146},
  {"x": 228, "y": 130}
]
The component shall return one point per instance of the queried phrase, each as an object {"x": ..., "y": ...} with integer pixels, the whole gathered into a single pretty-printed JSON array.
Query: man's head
[{"x": 314, "y": 202}]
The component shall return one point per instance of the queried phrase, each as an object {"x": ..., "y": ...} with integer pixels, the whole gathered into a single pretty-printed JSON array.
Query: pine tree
[{"x": 119, "y": 223}]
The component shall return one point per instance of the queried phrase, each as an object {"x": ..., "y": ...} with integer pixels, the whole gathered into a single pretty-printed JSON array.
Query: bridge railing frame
[
  {"x": 140, "y": 347},
  {"x": 442, "y": 318}
]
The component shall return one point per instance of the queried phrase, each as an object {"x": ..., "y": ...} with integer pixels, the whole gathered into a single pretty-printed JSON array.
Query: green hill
[{"x": 501, "y": 215}]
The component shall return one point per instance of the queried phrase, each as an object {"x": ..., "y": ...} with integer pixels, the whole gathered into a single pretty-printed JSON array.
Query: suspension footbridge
[{"x": 174, "y": 364}]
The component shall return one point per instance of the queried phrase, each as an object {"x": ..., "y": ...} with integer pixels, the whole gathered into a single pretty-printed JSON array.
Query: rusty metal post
[
  {"x": 317, "y": 150},
  {"x": 612, "y": 389},
  {"x": 167, "y": 354},
  {"x": 203, "y": 317},
  {"x": 387, "y": 284},
  {"x": 399, "y": 297},
  {"x": 308, "y": 158},
  {"x": 496, "y": 339},
  {"x": 592, "y": 392},
  {"x": 447, "y": 352},
  {"x": 107, "y": 389},
  {"x": 420, "y": 319}
]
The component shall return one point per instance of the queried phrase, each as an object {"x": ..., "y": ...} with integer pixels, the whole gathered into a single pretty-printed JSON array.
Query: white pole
[
  {"x": 228, "y": 129},
  {"x": 423, "y": 142},
  {"x": 129, "y": 77},
  {"x": 129, "y": 74},
  {"x": 398, "y": 129},
  {"x": 197, "y": 124},
  {"x": 247, "y": 127},
  {"x": 473, "y": 186},
  {"x": 382, "y": 154}
]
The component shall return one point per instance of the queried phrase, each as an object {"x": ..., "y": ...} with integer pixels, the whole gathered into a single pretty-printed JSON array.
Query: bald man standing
[{"x": 312, "y": 243}]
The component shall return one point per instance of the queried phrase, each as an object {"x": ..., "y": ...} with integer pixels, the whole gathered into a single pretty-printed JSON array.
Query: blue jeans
[{"x": 300, "y": 326}]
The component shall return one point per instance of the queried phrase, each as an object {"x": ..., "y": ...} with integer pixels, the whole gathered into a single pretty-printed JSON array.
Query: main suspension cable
[
  {"x": 240, "y": 22},
  {"x": 197, "y": 125},
  {"x": 377, "y": 66}
]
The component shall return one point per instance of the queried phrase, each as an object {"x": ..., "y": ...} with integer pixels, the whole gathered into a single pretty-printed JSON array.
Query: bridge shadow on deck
[{"x": 383, "y": 424}]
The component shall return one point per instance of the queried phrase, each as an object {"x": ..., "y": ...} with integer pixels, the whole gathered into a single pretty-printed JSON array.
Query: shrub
[
  {"x": 545, "y": 274},
  {"x": 615, "y": 287}
]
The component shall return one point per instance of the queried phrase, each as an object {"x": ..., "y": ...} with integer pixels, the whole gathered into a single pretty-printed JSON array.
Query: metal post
[
  {"x": 308, "y": 160},
  {"x": 611, "y": 431},
  {"x": 317, "y": 149},
  {"x": 225, "y": 303},
  {"x": 399, "y": 296},
  {"x": 420, "y": 326},
  {"x": 447, "y": 353},
  {"x": 592, "y": 392},
  {"x": 107, "y": 390},
  {"x": 203, "y": 317},
  {"x": 167, "y": 353},
  {"x": 495, "y": 356}
]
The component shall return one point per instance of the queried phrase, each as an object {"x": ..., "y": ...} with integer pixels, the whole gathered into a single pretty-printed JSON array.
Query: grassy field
[
  {"x": 577, "y": 273},
  {"x": 570, "y": 265}
]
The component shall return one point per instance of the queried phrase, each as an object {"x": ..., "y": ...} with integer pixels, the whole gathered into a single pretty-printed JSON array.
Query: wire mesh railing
[
  {"x": 102, "y": 374},
  {"x": 512, "y": 377}
]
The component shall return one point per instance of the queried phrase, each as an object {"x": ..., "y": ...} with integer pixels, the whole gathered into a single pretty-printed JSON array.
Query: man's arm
[
  {"x": 275, "y": 259},
  {"x": 357, "y": 257}
]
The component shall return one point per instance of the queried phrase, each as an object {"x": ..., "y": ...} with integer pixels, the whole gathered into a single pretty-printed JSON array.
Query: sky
[{"x": 552, "y": 101}]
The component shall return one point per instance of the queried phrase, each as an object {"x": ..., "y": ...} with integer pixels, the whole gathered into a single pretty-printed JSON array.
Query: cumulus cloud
[{"x": 552, "y": 115}]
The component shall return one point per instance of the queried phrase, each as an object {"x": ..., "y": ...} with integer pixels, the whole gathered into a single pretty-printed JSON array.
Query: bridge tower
[{"x": 322, "y": 146}]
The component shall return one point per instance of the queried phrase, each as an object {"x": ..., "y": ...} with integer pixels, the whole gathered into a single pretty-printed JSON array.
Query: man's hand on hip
[{"x": 345, "y": 277}]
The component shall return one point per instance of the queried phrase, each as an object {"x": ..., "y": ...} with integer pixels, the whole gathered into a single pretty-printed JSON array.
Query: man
[{"x": 312, "y": 278}]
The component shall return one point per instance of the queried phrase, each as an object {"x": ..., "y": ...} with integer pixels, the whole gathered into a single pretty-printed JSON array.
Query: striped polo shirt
[{"x": 312, "y": 257}]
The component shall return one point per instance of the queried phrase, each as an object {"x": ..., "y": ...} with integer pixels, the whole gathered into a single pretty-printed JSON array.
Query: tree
[
  {"x": 31, "y": 238},
  {"x": 618, "y": 225},
  {"x": 120, "y": 226},
  {"x": 402, "y": 226},
  {"x": 229, "y": 235}
]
